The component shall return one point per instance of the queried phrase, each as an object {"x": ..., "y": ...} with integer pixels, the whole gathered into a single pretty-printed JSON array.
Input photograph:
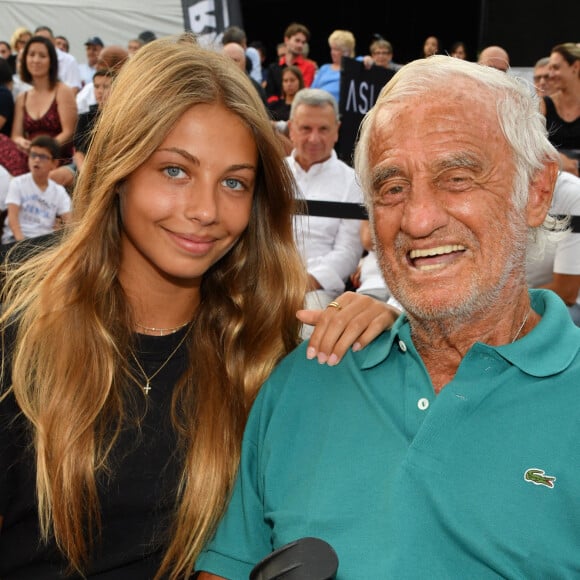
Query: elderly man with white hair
[{"x": 448, "y": 448}]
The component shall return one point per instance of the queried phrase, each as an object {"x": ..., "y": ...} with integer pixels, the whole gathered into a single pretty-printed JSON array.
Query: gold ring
[{"x": 335, "y": 304}]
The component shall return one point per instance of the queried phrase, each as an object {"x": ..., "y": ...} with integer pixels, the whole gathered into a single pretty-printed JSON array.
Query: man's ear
[{"x": 540, "y": 194}]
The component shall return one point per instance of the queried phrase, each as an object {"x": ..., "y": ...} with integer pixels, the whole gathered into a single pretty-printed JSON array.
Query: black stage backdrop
[{"x": 527, "y": 29}]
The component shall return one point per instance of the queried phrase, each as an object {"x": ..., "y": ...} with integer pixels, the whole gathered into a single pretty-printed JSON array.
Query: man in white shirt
[
  {"x": 331, "y": 247},
  {"x": 558, "y": 266},
  {"x": 68, "y": 67}
]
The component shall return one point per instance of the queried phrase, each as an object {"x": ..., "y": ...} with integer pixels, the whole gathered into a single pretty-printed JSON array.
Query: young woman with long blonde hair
[{"x": 133, "y": 348}]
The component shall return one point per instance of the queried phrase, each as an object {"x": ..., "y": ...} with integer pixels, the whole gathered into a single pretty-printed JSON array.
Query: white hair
[{"x": 518, "y": 114}]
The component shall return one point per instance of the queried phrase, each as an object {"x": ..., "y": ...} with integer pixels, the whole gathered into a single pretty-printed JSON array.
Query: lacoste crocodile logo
[{"x": 539, "y": 477}]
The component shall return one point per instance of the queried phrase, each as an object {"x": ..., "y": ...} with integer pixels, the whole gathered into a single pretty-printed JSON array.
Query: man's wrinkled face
[{"x": 442, "y": 195}]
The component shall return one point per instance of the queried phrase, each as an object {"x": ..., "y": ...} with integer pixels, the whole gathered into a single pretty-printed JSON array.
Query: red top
[
  {"x": 48, "y": 124},
  {"x": 306, "y": 66}
]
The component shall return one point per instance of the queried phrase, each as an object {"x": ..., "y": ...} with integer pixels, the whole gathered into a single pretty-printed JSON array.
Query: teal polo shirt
[{"x": 481, "y": 481}]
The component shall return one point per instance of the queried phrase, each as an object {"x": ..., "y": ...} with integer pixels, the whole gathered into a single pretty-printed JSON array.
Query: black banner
[
  {"x": 359, "y": 89},
  {"x": 208, "y": 19}
]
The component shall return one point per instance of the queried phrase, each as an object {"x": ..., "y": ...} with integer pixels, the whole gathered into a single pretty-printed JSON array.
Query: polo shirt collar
[
  {"x": 556, "y": 331},
  {"x": 378, "y": 350}
]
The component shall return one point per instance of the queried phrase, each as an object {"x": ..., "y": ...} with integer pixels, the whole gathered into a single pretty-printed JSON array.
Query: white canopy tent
[{"x": 114, "y": 21}]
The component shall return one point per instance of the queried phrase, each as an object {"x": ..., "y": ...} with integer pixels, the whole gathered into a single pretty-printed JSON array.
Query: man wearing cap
[{"x": 93, "y": 47}]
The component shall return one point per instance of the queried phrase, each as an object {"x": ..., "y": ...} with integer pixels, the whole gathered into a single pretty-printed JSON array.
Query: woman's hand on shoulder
[{"x": 356, "y": 323}]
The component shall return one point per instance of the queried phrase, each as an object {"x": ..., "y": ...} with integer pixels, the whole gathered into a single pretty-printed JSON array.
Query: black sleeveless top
[
  {"x": 137, "y": 500},
  {"x": 563, "y": 135}
]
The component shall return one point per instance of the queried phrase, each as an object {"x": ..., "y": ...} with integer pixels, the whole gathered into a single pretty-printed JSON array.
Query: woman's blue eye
[
  {"x": 233, "y": 183},
  {"x": 174, "y": 171}
]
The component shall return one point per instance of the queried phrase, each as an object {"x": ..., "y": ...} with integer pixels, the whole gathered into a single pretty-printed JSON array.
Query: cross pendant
[{"x": 147, "y": 388}]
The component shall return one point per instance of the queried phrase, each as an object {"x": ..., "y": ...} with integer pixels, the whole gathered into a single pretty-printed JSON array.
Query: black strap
[
  {"x": 333, "y": 209},
  {"x": 356, "y": 211}
]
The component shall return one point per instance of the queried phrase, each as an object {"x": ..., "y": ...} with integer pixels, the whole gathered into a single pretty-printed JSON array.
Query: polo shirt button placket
[{"x": 423, "y": 404}]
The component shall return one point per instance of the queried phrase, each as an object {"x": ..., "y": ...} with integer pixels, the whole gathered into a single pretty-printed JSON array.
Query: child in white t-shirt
[{"x": 34, "y": 201}]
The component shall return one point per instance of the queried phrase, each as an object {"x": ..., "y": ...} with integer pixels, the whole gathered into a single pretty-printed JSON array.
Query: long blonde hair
[{"x": 74, "y": 328}]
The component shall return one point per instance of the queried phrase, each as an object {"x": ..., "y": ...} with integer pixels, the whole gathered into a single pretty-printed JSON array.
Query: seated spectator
[
  {"x": 557, "y": 266},
  {"x": 68, "y": 67},
  {"x": 263, "y": 53},
  {"x": 458, "y": 50},
  {"x": 18, "y": 41},
  {"x": 330, "y": 247},
  {"x": 542, "y": 82},
  {"x": 296, "y": 37},
  {"x": 381, "y": 54},
  {"x": 65, "y": 175},
  {"x": 253, "y": 63},
  {"x": 495, "y": 57},
  {"x": 562, "y": 107},
  {"x": 5, "y": 49},
  {"x": 292, "y": 82},
  {"x": 93, "y": 47},
  {"x": 18, "y": 85},
  {"x": 62, "y": 43},
  {"x": 102, "y": 82},
  {"x": 34, "y": 201},
  {"x": 134, "y": 45},
  {"x": 342, "y": 43},
  {"x": 236, "y": 52},
  {"x": 280, "y": 50},
  {"x": 47, "y": 108},
  {"x": 430, "y": 46}
]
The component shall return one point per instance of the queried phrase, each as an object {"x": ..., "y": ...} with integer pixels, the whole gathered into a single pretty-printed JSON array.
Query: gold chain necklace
[
  {"x": 522, "y": 326},
  {"x": 162, "y": 331},
  {"x": 148, "y": 379}
]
